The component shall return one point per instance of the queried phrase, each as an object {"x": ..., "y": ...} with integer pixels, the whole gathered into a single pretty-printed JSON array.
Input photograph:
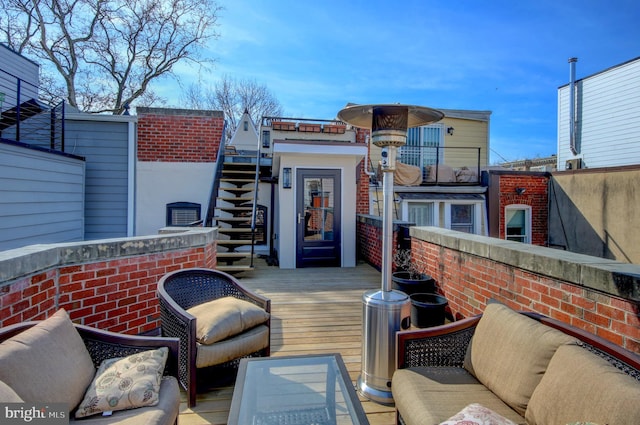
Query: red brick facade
[
  {"x": 116, "y": 294},
  {"x": 469, "y": 282},
  {"x": 177, "y": 135},
  {"x": 362, "y": 206},
  {"x": 534, "y": 192}
]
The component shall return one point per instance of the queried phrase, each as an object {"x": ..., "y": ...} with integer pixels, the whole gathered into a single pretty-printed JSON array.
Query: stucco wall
[
  {"x": 595, "y": 212},
  {"x": 161, "y": 183}
]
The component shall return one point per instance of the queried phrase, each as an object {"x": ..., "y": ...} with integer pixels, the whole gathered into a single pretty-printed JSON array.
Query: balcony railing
[
  {"x": 444, "y": 165},
  {"x": 305, "y": 125},
  {"x": 23, "y": 118}
]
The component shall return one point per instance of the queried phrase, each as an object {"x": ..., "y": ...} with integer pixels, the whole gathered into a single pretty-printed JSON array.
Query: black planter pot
[
  {"x": 402, "y": 282},
  {"x": 427, "y": 309}
]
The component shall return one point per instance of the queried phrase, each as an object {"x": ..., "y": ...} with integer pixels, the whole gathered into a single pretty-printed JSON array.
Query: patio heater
[{"x": 385, "y": 311}]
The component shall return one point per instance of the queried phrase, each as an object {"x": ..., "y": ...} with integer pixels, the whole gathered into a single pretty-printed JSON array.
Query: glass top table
[{"x": 305, "y": 390}]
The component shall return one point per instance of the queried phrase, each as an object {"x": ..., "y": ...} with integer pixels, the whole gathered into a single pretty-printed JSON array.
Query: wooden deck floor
[{"x": 316, "y": 310}]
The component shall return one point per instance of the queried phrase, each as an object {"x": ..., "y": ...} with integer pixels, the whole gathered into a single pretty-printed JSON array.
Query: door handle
[{"x": 299, "y": 218}]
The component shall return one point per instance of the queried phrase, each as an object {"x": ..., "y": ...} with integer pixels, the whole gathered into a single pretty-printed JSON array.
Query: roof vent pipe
[{"x": 572, "y": 105}]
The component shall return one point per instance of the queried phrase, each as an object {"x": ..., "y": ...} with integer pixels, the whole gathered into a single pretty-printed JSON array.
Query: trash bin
[{"x": 427, "y": 309}]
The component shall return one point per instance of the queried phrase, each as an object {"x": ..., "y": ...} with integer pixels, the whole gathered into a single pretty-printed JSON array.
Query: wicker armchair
[{"x": 179, "y": 291}]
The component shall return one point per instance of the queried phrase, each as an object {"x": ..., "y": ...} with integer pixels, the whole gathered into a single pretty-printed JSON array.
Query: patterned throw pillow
[
  {"x": 125, "y": 383},
  {"x": 476, "y": 414}
]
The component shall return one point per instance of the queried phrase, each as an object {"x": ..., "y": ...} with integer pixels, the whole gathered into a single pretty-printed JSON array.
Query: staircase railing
[
  {"x": 254, "y": 208},
  {"x": 215, "y": 186}
]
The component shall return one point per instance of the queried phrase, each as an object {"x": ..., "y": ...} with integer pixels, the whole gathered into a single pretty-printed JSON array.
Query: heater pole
[{"x": 387, "y": 218}]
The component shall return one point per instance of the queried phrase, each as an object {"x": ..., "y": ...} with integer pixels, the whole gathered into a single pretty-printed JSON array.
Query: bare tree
[
  {"x": 233, "y": 97},
  {"x": 107, "y": 52}
]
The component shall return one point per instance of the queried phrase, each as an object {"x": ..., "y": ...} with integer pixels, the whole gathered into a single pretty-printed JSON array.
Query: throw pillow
[
  {"x": 476, "y": 414},
  {"x": 225, "y": 317},
  {"x": 125, "y": 383},
  {"x": 51, "y": 355}
]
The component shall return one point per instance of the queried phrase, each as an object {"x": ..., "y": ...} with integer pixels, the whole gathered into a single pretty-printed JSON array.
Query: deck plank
[{"x": 314, "y": 311}]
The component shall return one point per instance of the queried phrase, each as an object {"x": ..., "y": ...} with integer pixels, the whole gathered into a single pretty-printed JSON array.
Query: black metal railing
[
  {"x": 444, "y": 165},
  {"x": 24, "y": 118}
]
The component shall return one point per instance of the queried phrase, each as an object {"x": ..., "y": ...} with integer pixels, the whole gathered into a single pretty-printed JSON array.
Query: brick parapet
[
  {"x": 598, "y": 295},
  {"x": 108, "y": 284}
]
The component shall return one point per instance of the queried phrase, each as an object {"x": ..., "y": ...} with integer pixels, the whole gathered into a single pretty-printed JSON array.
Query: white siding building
[{"x": 606, "y": 116}]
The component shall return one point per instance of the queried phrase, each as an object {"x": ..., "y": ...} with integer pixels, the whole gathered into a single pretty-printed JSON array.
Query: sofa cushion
[
  {"x": 7, "y": 395},
  {"x": 224, "y": 317},
  {"x": 509, "y": 353},
  {"x": 430, "y": 395},
  {"x": 581, "y": 386},
  {"x": 125, "y": 383},
  {"x": 47, "y": 363},
  {"x": 163, "y": 413},
  {"x": 248, "y": 342},
  {"x": 477, "y": 414}
]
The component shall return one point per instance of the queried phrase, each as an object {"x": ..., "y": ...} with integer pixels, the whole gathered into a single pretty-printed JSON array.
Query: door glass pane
[
  {"x": 462, "y": 217},
  {"x": 421, "y": 213},
  {"x": 516, "y": 229},
  {"x": 319, "y": 206}
]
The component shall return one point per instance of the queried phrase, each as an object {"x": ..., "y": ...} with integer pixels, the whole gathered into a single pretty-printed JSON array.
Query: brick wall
[
  {"x": 179, "y": 135},
  {"x": 535, "y": 195},
  {"x": 362, "y": 203},
  {"x": 117, "y": 293},
  {"x": 469, "y": 280},
  {"x": 369, "y": 234}
]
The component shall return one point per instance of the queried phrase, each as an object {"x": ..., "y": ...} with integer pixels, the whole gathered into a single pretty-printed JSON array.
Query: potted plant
[{"x": 407, "y": 278}]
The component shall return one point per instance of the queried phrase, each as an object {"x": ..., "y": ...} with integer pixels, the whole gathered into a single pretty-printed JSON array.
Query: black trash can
[{"x": 427, "y": 309}]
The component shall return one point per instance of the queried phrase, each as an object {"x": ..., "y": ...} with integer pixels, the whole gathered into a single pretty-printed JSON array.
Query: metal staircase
[{"x": 235, "y": 210}]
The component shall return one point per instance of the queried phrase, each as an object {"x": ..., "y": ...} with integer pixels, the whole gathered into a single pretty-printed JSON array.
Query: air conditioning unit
[{"x": 573, "y": 164}]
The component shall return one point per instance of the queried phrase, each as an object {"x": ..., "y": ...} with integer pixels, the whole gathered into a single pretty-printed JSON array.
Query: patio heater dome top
[{"x": 363, "y": 116}]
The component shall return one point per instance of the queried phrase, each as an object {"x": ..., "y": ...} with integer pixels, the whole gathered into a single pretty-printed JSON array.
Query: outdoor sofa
[
  {"x": 507, "y": 366},
  {"x": 89, "y": 372}
]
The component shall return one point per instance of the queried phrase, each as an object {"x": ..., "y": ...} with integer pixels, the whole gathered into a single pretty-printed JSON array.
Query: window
[
  {"x": 518, "y": 223},
  {"x": 422, "y": 146},
  {"x": 421, "y": 213},
  {"x": 462, "y": 218},
  {"x": 266, "y": 136},
  {"x": 246, "y": 125}
]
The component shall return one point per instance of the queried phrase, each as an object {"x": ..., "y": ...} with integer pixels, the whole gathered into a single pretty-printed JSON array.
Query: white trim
[
  {"x": 527, "y": 219},
  {"x": 445, "y": 204},
  {"x": 131, "y": 177}
]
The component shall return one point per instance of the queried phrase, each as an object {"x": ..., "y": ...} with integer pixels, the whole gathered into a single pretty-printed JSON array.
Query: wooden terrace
[{"x": 314, "y": 311}]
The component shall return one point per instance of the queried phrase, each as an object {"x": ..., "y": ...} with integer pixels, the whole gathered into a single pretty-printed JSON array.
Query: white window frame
[
  {"x": 477, "y": 214},
  {"x": 445, "y": 206},
  {"x": 436, "y": 208},
  {"x": 527, "y": 219}
]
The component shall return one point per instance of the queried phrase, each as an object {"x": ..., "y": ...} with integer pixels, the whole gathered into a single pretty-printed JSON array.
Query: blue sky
[{"x": 508, "y": 57}]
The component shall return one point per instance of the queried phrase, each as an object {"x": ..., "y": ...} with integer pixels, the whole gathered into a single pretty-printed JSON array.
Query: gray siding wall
[
  {"x": 608, "y": 118},
  {"x": 41, "y": 197},
  {"x": 14, "y": 67},
  {"x": 105, "y": 145}
]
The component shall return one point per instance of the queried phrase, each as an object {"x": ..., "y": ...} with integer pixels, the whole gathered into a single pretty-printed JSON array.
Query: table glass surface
[{"x": 291, "y": 390}]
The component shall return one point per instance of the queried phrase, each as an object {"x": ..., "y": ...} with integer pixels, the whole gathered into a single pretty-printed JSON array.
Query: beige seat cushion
[
  {"x": 510, "y": 352},
  {"x": 224, "y": 317},
  {"x": 425, "y": 395},
  {"x": 163, "y": 413},
  {"x": 7, "y": 395},
  {"x": 47, "y": 363},
  {"x": 580, "y": 386},
  {"x": 248, "y": 342}
]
